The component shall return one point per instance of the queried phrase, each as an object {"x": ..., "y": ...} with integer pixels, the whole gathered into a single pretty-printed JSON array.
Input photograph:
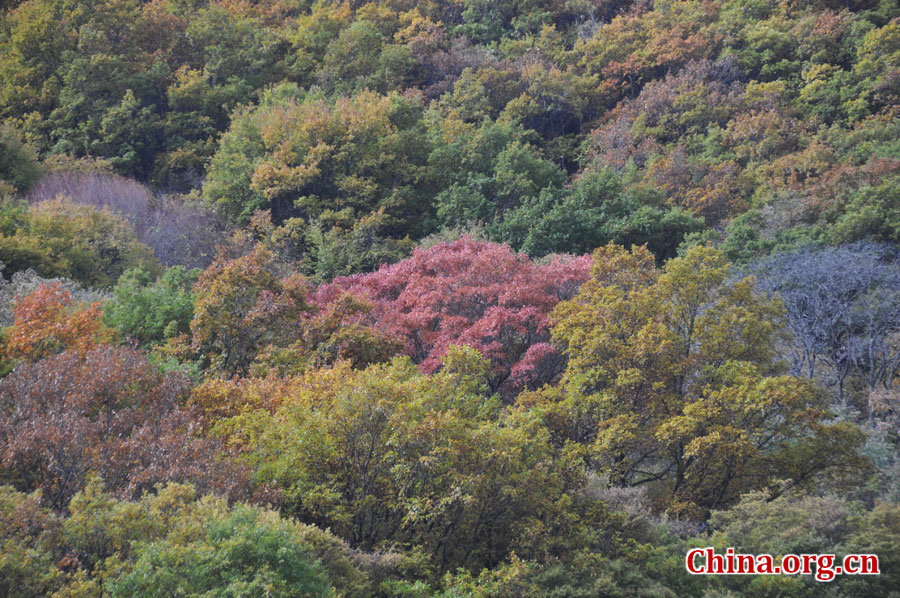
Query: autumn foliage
[
  {"x": 391, "y": 455},
  {"x": 470, "y": 293},
  {"x": 446, "y": 298},
  {"x": 48, "y": 321},
  {"x": 672, "y": 378},
  {"x": 242, "y": 307},
  {"x": 107, "y": 410}
]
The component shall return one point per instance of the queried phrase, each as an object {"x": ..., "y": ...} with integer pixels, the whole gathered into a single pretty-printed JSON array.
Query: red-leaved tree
[{"x": 470, "y": 293}]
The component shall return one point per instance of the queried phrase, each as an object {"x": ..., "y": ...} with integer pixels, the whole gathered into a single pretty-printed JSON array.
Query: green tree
[
  {"x": 389, "y": 455},
  {"x": 152, "y": 311},
  {"x": 19, "y": 169},
  {"x": 244, "y": 553},
  {"x": 596, "y": 210},
  {"x": 878, "y": 65},
  {"x": 171, "y": 540},
  {"x": 352, "y": 59},
  {"x": 484, "y": 171},
  {"x": 363, "y": 248},
  {"x": 316, "y": 158}
]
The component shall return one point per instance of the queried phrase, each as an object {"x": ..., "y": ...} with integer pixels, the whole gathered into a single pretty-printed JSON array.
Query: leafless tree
[
  {"x": 843, "y": 307},
  {"x": 178, "y": 231}
]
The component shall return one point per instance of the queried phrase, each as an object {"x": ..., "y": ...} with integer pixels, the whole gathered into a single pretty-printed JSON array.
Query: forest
[{"x": 447, "y": 298}]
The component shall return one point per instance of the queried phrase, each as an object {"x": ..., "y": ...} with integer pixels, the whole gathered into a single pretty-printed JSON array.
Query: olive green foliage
[
  {"x": 595, "y": 211},
  {"x": 674, "y": 370},
  {"x": 237, "y": 555},
  {"x": 486, "y": 170},
  {"x": 59, "y": 238},
  {"x": 339, "y": 252},
  {"x": 388, "y": 455},
  {"x": 321, "y": 159},
  {"x": 174, "y": 541},
  {"x": 19, "y": 169}
]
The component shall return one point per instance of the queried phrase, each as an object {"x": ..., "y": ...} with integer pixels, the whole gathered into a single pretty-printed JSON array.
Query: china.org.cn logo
[{"x": 825, "y": 567}]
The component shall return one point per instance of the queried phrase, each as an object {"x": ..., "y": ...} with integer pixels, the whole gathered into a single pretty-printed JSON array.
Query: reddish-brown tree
[{"x": 110, "y": 411}]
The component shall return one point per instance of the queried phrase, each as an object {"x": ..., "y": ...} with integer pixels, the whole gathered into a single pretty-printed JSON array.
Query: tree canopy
[{"x": 447, "y": 298}]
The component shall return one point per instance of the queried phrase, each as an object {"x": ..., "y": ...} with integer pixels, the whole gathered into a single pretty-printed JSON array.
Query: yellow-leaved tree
[{"x": 673, "y": 383}]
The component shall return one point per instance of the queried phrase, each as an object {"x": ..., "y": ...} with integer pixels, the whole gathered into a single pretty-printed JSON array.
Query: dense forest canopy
[{"x": 453, "y": 298}]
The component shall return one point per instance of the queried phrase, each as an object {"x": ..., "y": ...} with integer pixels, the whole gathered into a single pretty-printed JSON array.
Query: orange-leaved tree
[{"x": 48, "y": 320}]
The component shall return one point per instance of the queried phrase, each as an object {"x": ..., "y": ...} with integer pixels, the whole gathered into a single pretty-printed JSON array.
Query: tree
[
  {"x": 60, "y": 238},
  {"x": 32, "y": 50},
  {"x": 633, "y": 48},
  {"x": 152, "y": 311},
  {"x": 313, "y": 158},
  {"x": 107, "y": 410},
  {"x": 351, "y": 60},
  {"x": 171, "y": 538},
  {"x": 336, "y": 333},
  {"x": 27, "y": 568},
  {"x": 363, "y": 248},
  {"x": 484, "y": 170},
  {"x": 672, "y": 381},
  {"x": 19, "y": 170},
  {"x": 242, "y": 307},
  {"x": 471, "y": 293},
  {"x": 843, "y": 308},
  {"x": 390, "y": 455},
  {"x": 794, "y": 523},
  {"x": 22, "y": 284},
  {"x": 179, "y": 231},
  {"x": 871, "y": 213},
  {"x": 596, "y": 210},
  {"x": 247, "y": 551},
  {"x": 48, "y": 321},
  {"x": 879, "y": 65}
]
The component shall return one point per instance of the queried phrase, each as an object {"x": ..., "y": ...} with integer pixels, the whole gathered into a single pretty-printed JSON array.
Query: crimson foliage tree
[{"x": 470, "y": 293}]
